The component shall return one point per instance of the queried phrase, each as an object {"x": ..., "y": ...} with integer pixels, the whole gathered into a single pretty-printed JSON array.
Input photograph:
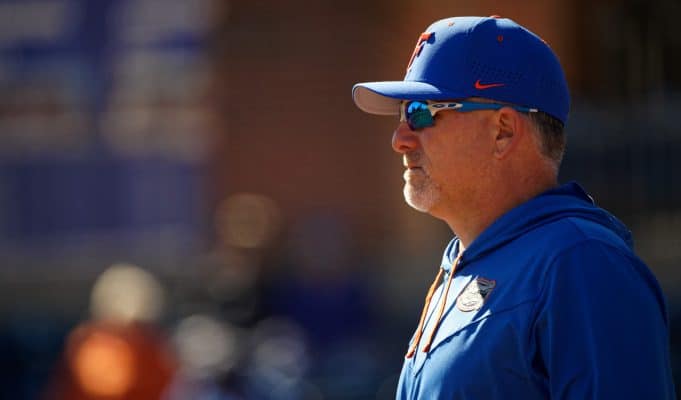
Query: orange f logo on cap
[{"x": 419, "y": 45}]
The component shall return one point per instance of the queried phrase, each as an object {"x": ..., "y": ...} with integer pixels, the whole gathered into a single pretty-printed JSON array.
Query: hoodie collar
[{"x": 568, "y": 200}]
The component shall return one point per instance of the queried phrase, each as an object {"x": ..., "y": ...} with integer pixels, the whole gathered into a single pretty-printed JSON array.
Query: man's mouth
[{"x": 414, "y": 172}]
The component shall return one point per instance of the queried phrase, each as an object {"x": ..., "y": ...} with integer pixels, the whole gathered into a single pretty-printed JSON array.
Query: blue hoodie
[{"x": 548, "y": 302}]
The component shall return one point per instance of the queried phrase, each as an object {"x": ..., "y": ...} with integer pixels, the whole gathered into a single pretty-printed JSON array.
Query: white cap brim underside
[{"x": 383, "y": 98}]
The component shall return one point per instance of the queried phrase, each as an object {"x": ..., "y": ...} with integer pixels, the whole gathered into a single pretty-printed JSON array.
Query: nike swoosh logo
[{"x": 483, "y": 86}]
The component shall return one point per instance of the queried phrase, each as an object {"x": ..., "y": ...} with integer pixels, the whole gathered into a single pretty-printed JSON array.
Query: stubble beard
[{"x": 420, "y": 192}]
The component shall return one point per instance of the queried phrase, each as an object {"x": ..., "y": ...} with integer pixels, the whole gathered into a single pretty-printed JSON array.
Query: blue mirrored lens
[{"x": 418, "y": 115}]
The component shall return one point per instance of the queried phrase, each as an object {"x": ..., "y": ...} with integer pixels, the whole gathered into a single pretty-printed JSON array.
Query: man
[{"x": 540, "y": 294}]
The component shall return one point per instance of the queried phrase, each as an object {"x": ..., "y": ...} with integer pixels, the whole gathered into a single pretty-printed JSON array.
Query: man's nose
[{"x": 404, "y": 139}]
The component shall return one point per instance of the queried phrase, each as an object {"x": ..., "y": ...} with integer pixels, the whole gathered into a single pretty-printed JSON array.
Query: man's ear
[{"x": 507, "y": 131}]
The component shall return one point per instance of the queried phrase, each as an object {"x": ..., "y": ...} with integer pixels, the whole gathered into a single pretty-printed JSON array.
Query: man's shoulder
[
  {"x": 581, "y": 248},
  {"x": 571, "y": 240},
  {"x": 573, "y": 232}
]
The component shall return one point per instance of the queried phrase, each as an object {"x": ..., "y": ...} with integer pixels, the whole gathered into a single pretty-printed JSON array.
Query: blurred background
[{"x": 191, "y": 206}]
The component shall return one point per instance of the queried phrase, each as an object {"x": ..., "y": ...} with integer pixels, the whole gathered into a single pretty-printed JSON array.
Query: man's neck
[{"x": 469, "y": 224}]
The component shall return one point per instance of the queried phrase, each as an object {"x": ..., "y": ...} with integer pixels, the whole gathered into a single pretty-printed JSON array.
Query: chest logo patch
[{"x": 474, "y": 294}]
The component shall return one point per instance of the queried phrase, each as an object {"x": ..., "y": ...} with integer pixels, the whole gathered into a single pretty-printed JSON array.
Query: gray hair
[{"x": 551, "y": 136}]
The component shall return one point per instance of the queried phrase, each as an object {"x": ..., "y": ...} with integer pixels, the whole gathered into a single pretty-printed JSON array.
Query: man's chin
[{"x": 419, "y": 201}]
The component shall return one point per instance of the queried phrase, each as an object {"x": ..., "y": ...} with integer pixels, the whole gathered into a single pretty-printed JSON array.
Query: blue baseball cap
[{"x": 463, "y": 57}]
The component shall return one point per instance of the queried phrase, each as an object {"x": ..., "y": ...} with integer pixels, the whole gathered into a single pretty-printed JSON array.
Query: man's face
[
  {"x": 420, "y": 191},
  {"x": 444, "y": 162}
]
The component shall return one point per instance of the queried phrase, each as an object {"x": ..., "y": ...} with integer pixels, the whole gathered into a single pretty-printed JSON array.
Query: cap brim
[{"x": 383, "y": 98}]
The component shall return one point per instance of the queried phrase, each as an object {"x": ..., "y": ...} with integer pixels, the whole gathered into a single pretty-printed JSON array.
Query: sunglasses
[{"x": 420, "y": 114}]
